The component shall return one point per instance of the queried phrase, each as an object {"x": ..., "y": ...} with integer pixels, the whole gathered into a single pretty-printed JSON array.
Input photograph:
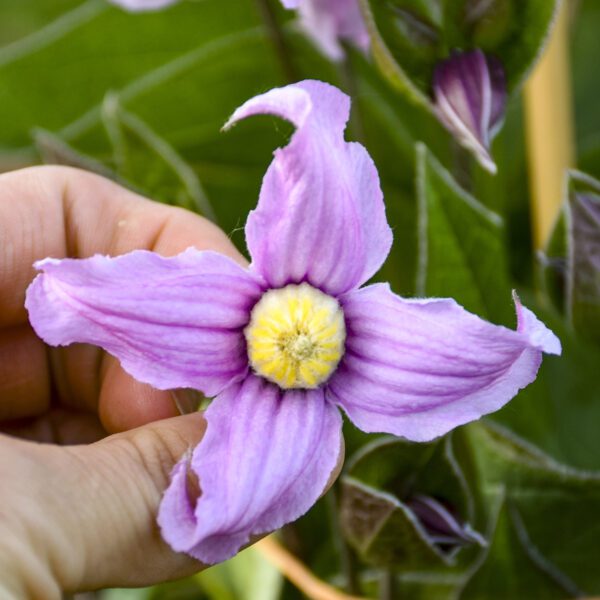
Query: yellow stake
[{"x": 549, "y": 129}]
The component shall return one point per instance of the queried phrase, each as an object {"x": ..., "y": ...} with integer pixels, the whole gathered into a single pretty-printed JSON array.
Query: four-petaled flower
[{"x": 281, "y": 345}]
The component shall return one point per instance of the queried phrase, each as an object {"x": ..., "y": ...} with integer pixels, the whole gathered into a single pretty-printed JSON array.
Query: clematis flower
[
  {"x": 470, "y": 99},
  {"x": 143, "y": 5},
  {"x": 327, "y": 22},
  {"x": 284, "y": 343}
]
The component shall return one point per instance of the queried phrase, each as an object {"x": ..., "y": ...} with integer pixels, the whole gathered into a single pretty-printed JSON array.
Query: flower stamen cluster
[{"x": 296, "y": 336}]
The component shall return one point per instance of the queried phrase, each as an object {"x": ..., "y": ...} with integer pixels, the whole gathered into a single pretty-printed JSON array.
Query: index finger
[{"x": 62, "y": 212}]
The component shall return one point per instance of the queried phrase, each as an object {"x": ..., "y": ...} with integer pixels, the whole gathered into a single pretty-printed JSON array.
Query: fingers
[
  {"x": 126, "y": 403},
  {"x": 57, "y": 426},
  {"x": 91, "y": 510},
  {"x": 24, "y": 377},
  {"x": 59, "y": 212},
  {"x": 88, "y": 513}
]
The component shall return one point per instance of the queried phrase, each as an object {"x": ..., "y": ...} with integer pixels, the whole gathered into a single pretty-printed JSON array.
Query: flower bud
[
  {"x": 470, "y": 100},
  {"x": 327, "y": 22},
  {"x": 442, "y": 526}
]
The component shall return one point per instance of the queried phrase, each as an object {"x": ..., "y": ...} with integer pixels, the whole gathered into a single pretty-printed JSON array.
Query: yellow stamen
[{"x": 296, "y": 336}]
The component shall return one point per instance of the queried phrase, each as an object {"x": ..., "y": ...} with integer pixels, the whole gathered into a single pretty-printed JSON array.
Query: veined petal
[
  {"x": 172, "y": 322},
  {"x": 419, "y": 368},
  {"x": 265, "y": 459},
  {"x": 142, "y": 5},
  {"x": 320, "y": 217},
  {"x": 327, "y": 22}
]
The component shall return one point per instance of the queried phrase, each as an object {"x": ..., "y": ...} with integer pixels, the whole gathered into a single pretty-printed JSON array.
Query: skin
[{"x": 78, "y": 512}]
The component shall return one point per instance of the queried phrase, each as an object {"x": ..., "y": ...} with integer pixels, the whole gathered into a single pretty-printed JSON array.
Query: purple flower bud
[
  {"x": 327, "y": 22},
  {"x": 442, "y": 527},
  {"x": 470, "y": 100}
]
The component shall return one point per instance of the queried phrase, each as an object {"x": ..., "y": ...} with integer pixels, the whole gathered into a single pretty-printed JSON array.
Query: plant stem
[
  {"x": 387, "y": 587},
  {"x": 350, "y": 85},
  {"x": 549, "y": 129},
  {"x": 347, "y": 559},
  {"x": 277, "y": 40},
  {"x": 308, "y": 583},
  {"x": 462, "y": 166}
]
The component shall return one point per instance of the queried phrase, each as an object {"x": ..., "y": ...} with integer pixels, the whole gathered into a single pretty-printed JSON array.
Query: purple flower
[
  {"x": 142, "y": 5},
  {"x": 287, "y": 341},
  {"x": 329, "y": 21},
  {"x": 470, "y": 100}
]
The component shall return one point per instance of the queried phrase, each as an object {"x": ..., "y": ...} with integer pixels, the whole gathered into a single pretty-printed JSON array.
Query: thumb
[{"x": 99, "y": 505}]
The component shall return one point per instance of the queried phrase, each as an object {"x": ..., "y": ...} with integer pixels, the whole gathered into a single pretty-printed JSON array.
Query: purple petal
[
  {"x": 172, "y": 322},
  {"x": 320, "y": 216},
  {"x": 419, "y": 368},
  {"x": 142, "y": 5},
  {"x": 470, "y": 98},
  {"x": 265, "y": 459},
  {"x": 327, "y": 22}
]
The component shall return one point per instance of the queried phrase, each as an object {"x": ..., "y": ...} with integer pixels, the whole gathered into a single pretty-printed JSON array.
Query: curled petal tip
[
  {"x": 317, "y": 189},
  {"x": 469, "y": 90},
  {"x": 462, "y": 368},
  {"x": 538, "y": 335},
  {"x": 258, "y": 471}
]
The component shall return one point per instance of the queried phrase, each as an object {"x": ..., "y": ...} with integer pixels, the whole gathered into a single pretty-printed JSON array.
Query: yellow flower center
[{"x": 296, "y": 336}]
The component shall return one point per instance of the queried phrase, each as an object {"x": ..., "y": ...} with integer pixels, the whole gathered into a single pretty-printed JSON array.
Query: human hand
[{"x": 78, "y": 517}]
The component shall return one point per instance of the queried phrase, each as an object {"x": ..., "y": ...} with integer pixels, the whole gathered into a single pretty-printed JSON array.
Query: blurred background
[{"x": 141, "y": 98}]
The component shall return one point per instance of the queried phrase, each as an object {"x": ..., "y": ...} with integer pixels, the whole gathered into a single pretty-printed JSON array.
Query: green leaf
[
  {"x": 550, "y": 518},
  {"x": 247, "y": 576},
  {"x": 146, "y": 160},
  {"x": 560, "y": 410},
  {"x": 96, "y": 47},
  {"x": 583, "y": 264},
  {"x": 410, "y": 37},
  {"x": 571, "y": 259},
  {"x": 583, "y": 41},
  {"x": 391, "y": 125},
  {"x": 383, "y": 530},
  {"x": 461, "y": 245},
  {"x": 54, "y": 150},
  {"x": 506, "y": 570},
  {"x": 376, "y": 518},
  {"x": 174, "y": 91}
]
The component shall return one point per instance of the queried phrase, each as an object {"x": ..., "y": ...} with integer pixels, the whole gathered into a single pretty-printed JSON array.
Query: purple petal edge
[
  {"x": 320, "y": 216},
  {"x": 266, "y": 457},
  {"x": 419, "y": 368},
  {"x": 172, "y": 322}
]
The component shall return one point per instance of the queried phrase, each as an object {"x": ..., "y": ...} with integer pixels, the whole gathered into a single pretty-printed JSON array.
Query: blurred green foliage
[
  {"x": 142, "y": 98},
  {"x": 411, "y": 36}
]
